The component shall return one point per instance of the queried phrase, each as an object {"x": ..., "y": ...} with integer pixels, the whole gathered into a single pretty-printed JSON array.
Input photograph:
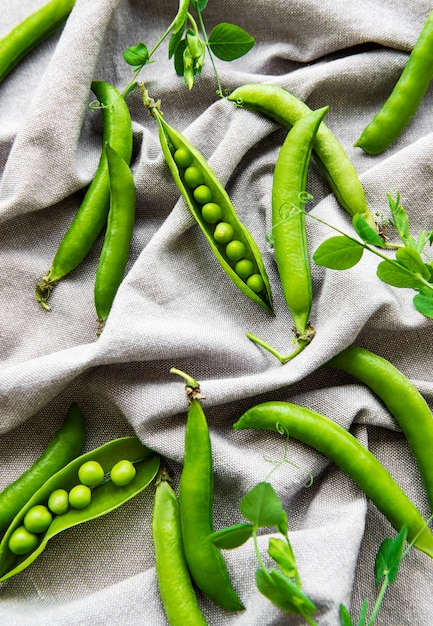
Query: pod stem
[
  {"x": 301, "y": 343},
  {"x": 43, "y": 290},
  {"x": 192, "y": 387},
  {"x": 153, "y": 106}
]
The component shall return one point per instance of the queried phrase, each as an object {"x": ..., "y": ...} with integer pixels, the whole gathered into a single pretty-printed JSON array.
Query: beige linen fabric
[{"x": 176, "y": 307}]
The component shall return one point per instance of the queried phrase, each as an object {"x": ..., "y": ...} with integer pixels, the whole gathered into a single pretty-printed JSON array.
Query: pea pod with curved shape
[
  {"x": 404, "y": 100},
  {"x": 285, "y": 108},
  {"x": 65, "y": 446},
  {"x": 401, "y": 397},
  {"x": 31, "y": 32},
  {"x": 205, "y": 561},
  {"x": 289, "y": 236},
  {"x": 105, "y": 497},
  {"x": 229, "y": 240},
  {"x": 120, "y": 225},
  {"x": 92, "y": 214},
  {"x": 348, "y": 454}
]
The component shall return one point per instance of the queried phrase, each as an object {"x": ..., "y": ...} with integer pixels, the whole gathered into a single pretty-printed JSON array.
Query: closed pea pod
[
  {"x": 404, "y": 100},
  {"x": 65, "y": 446},
  {"x": 289, "y": 235},
  {"x": 105, "y": 497},
  {"x": 285, "y": 108},
  {"x": 205, "y": 561},
  {"x": 174, "y": 581},
  {"x": 120, "y": 225},
  {"x": 192, "y": 173},
  {"x": 348, "y": 454},
  {"x": 91, "y": 216},
  {"x": 31, "y": 32},
  {"x": 401, "y": 397}
]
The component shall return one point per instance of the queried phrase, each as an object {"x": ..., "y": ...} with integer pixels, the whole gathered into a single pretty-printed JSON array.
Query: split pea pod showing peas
[
  {"x": 120, "y": 225},
  {"x": 401, "y": 397},
  {"x": 63, "y": 448},
  {"x": 289, "y": 236},
  {"x": 404, "y": 100},
  {"x": 91, "y": 216},
  {"x": 205, "y": 561},
  {"x": 72, "y": 502},
  {"x": 209, "y": 203},
  {"x": 174, "y": 581},
  {"x": 30, "y": 32},
  {"x": 348, "y": 454},
  {"x": 285, "y": 108}
]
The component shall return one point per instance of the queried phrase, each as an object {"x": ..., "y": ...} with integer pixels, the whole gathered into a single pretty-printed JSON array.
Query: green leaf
[
  {"x": 362, "y": 620},
  {"x": 365, "y": 231},
  {"x": 283, "y": 593},
  {"x": 174, "y": 42},
  {"x": 411, "y": 259},
  {"x": 199, "y": 5},
  {"x": 283, "y": 556},
  {"x": 229, "y": 42},
  {"x": 137, "y": 55},
  {"x": 397, "y": 275},
  {"x": 283, "y": 525},
  {"x": 345, "y": 619},
  {"x": 338, "y": 253},
  {"x": 231, "y": 537},
  {"x": 262, "y": 506},
  {"x": 389, "y": 557},
  {"x": 424, "y": 304},
  {"x": 178, "y": 57}
]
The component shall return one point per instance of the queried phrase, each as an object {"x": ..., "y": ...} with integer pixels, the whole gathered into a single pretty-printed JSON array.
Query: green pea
[
  {"x": 211, "y": 212},
  {"x": 255, "y": 283},
  {"x": 183, "y": 158},
  {"x": 235, "y": 250},
  {"x": 244, "y": 268},
  {"x": 223, "y": 233},
  {"x": 202, "y": 194},
  {"x": 58, "y": 502},
  {"x": 91, "y": 473},
  {"x": 193, "y": 177},
  {"x": 22, "y": 541},
  {"x": 122, "y": 473},
  {"x": 80, "y": 496},
  {"x": 38, "y": 519}
]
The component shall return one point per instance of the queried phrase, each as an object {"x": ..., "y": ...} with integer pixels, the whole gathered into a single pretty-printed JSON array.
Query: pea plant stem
[
  {"x": 282, "y": 358},
  {"x": 212, "y": 60}
]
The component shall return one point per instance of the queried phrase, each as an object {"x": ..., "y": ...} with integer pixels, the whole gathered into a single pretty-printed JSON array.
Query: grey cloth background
[{"x": 176, "y": 307}]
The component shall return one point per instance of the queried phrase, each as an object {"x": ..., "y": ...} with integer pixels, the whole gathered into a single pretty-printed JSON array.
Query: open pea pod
[
  {"x": 254, "y": 283},
  {"x": 105, "y": 497}
]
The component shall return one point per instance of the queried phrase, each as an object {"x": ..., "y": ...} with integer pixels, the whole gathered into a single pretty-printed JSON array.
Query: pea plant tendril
[{"x": 189, "y": 43}]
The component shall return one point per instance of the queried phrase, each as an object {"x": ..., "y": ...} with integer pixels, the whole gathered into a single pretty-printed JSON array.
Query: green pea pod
[
  {"x": 286, "y": 109},
  {"x": 348, "y": 454},
  {"x": 205, "y": 561},
  {"x": 105, "y": 498},
  {"x": 91, "y": 216},
  {"x": 120, "y": 225},
  {"x": 403, "y": 400},
  {"x": 255, "y": 284},
  {"x": 404, "y": 100},
  {"x": 31, "y": 32},
  {"x": 177, "y": 592},
  {"x": 63, "y": 448}
]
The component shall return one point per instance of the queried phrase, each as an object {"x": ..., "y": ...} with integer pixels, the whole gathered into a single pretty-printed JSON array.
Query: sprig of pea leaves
[
  {"x": 407, "y": 270},
  {"x": 189, "y": 43},
  {"x": 262, "y": 507}
]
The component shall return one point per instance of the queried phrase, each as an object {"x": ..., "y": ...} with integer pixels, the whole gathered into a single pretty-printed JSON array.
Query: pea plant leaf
[
  {"x": 228, "y": 41},
  {"x": 232, "y": 536},
  {"x": 424, "y": 304},
  {"x": 345, "y": 619},
  {"x": 262, "y": 506},
  {"x": 199, "y": 5},
  {"x": 389, "y": 557},
  {"x": 397, "y": 275},
  {"x": 282, "y": 553},
  {"x": 367, "y": 234},
  {"x": 338, "y": 253},
  {"x": 283, "y": 592},
  {"x": 137, "y": 56}
]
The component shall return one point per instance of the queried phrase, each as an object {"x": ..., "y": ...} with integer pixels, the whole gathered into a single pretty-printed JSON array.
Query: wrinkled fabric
[{"x": 177, "y": 308}]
